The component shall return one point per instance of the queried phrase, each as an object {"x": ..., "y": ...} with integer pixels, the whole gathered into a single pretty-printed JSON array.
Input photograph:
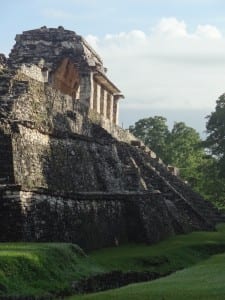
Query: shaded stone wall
[
  {"x": 6, "y": 159},
  {"x": 76, "y": 164},
  {"x": 89, "y": 220},
  {"x": 11, "y": 217}
]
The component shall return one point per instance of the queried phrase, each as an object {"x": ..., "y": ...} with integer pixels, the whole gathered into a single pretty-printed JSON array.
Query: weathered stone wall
[
  {"x": 49, "y": 110},
  {"x": 34, "y": 72},
  {"x": 56, "y": 146},
  {"x": 116, "y": 131},
  {"x": 69, "y": 64},
  {"x": 46, "y": 46},
  {"x": 69, "y": 164},
  {"x": 92, "y": 220},
  {"x": 57, "y": 141},
  {"x": 3, "y": 61},
  {"x": 89, "y": 220}
]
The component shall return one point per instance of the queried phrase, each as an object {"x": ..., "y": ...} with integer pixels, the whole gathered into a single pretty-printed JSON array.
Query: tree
[
  {"x": 154, "y": 132},
  {"x": 183, "y": 148},
  {"x": 210, "y": 184},
  {"x": 185, "y": 151},
  {"x": 180, "y": 147},
  {"x": 216, "y": 133}
]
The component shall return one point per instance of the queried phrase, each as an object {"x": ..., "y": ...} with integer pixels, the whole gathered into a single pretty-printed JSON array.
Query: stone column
[
  {"x": 85, "y": 89},
  {"x": 105, "y": 104},
  {"x": 116, "y": 110},
  {"x": 98, "y": 98},
  {"x": 95, "y": 96},
  {"x": 110, "y": 107},
  {"x": 102, "y": 101},
  {"x": 92, "y": 93}
]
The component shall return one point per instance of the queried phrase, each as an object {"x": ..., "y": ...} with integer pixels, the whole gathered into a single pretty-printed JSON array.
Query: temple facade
[
  {"x": 66, "y": 61},
  {"x": 68, "y": 173}
]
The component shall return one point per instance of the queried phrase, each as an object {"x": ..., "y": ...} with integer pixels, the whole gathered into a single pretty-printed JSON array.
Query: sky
[{"x": 166, "y": 56}]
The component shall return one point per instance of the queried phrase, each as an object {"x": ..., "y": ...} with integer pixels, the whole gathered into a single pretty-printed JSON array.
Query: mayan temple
[{"x": 68, "y": 172}]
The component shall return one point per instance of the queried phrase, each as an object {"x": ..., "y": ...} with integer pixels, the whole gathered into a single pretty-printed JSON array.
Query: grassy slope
[
  {"x": 204, "y": 281},
  {"x": 36, "y": 269},
  {"x": 172, "y": 254}
]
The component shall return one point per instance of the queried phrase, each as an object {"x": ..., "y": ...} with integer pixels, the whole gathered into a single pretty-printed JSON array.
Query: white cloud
[
  {"x": 208, "y": 31},
  {"x": 93, "y": 41},
  {"x": 168, "y": 68},
  {"x": 134, "y": 35},
  {"x": 171, "y": 27}
]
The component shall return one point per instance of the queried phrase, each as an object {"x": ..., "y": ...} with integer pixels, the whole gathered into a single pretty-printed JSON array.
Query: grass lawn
[
  {"x": 42, "y": 269},
  {"x": 172, "y": 254},
  {"x": 39, "y": 268},
  {"x": 204, "y": 281}
]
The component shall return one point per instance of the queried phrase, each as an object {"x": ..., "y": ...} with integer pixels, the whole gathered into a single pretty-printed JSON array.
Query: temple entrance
[{"x": 66, "y": 78}]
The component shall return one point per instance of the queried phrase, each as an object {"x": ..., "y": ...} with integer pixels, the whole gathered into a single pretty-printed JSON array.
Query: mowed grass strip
[
  {"x": 42, "y": 269},
  {"x": 172, "y": 254},
  {"x": 204, "y": 281}
]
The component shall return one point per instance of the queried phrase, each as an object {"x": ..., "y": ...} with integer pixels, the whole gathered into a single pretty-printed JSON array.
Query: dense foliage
[
  {"x": 152, "y": 131},
  {"x": 216, "y": 133},
  {"x": 182, "y": 147}
]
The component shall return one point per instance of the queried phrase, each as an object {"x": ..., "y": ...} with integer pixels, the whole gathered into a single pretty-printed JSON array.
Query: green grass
[
  {"x": 37, "y": 269},
  {"x": 40, "y": 269},
  {"x": 172, "y": 254},
  {"x": 204, "y": 281}
]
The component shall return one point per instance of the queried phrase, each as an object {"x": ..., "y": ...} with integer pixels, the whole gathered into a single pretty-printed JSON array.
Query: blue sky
[{"x": 167, "y": 56}]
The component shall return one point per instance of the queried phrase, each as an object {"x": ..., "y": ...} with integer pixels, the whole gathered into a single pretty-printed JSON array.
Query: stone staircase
[
  {"x": 207, "y": 209},
  {"x": 176, "y": 192}
]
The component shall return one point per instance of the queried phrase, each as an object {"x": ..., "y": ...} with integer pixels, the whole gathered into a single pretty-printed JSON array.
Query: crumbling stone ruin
[{"x": 68, "y": 172}]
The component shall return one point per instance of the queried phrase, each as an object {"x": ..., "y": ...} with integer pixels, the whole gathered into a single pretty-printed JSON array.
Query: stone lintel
[{"x": 104, "y": 81}]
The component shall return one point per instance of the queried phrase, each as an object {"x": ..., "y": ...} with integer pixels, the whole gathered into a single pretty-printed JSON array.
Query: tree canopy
[
  {"x": 185, "y": 151},
  {"x": 182, "y": 147},
  {"x": 216, "y": 133},
  {"x": 153, "y": 131},
  {"x": 179, "y": 147}
]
